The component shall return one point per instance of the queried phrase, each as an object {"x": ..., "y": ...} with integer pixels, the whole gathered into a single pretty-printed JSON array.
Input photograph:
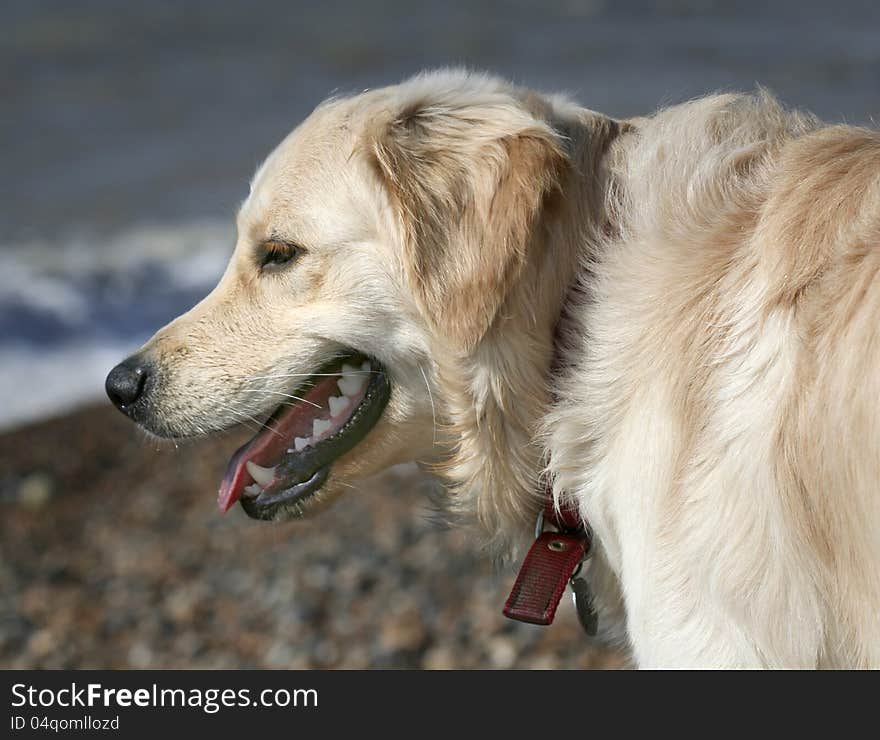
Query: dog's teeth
[
  {"x": 348, "y": 370},
  {"x": 319, "y": 426},
  {"x": 352, "y": 383},
  {"x": 263, "y": 476},
  {"x": 366, "y": 367},
  {"x": 337, "y": 405},
  {"x": 300, "y": 443},
  {"x": 253, "y": 490}
]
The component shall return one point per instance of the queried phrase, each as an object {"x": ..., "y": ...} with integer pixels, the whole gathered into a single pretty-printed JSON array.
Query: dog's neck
[{"x": 495, "y": 398}]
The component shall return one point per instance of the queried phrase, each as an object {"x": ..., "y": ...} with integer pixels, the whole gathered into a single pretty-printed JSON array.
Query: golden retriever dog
[{"x": 710, "y": 401}]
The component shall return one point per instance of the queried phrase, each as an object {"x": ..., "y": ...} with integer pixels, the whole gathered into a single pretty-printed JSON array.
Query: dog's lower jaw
[
  {"x": 294, "y": 501},
  {"x": 327, "y": 490}
]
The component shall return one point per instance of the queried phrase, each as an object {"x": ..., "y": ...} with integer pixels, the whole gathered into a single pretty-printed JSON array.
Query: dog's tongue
[
  {"x": 263, "y": 448},
  {"x": 273, "y": 441}
]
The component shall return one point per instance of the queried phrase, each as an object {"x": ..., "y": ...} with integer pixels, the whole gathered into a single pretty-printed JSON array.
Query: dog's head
[{"x": 386, "y": 229}]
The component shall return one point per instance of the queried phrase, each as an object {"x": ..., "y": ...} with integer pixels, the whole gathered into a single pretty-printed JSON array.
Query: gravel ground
[{"x": 112, "y": 555}]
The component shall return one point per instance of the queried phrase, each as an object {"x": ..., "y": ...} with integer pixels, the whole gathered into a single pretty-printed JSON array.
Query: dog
[{"x": 674, "y": 319}]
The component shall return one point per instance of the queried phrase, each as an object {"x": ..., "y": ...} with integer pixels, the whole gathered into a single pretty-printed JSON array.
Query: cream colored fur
[{"x": 717, "y": 402}]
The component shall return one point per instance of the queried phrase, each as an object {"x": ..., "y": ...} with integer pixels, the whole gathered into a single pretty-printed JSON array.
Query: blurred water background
[{"x": 129, "y": 130}]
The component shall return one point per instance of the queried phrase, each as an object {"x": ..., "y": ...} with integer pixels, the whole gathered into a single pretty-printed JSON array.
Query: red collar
[
  {"x": 553, "y": 561},
  {"x": 557, "y": 555}
]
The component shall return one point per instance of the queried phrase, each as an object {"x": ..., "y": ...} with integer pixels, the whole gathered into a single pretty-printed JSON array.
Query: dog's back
[
  {"x": 721, "y": 428},
  {"x": 820, "y": 234}
]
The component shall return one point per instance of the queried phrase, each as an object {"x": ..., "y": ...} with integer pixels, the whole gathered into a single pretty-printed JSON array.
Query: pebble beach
[{"x": 113, "y": 555}]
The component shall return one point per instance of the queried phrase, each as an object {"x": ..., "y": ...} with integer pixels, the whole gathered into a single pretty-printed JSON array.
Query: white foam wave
[
  {"x": 75, "y": 284},
  {"x": 42, "y": 383}
]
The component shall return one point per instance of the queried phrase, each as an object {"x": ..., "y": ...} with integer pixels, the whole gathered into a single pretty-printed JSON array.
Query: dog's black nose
[{"x": 125, "y": 382}]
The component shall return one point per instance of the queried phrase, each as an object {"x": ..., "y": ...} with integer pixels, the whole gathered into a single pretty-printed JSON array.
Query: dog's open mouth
[{"x": 290, "y": 457}]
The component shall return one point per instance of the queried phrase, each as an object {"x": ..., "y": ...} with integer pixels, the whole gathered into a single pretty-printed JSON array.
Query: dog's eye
[{"x": 275, "y": 253}]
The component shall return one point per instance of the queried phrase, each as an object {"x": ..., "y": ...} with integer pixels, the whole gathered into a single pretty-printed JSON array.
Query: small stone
[
  {"x": 41, "y": 643},
  {"x": 140, "y": 655},
  {"x": 543, "y": 663},
  {"x": 35, "y": 490},
  {"x": 181, "y": 604},
  {"x": 279, "y": 655},
  {"x": 440, "y": 658},
  {"x": 502, "y": 652},
  {"x": 403, "y": 632}
]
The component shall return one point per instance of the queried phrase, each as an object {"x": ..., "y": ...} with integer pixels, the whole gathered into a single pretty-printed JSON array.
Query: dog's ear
[{"x": 468, "y": 176}]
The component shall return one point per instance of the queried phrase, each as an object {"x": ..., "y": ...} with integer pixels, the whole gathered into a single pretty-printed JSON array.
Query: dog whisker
[
  {"x": 431, "y": 398},
  {"x": 311, "y": 375},
  {"x": 242, "y": 417},
  {"x": 286, "y": 395}
]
